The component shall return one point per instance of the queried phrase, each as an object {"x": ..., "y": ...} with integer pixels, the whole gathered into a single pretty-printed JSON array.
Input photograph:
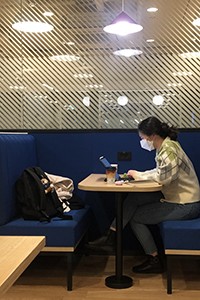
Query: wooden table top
[
  {"x": 16, "y": 253},
  {"x": 95, "y": 182}
]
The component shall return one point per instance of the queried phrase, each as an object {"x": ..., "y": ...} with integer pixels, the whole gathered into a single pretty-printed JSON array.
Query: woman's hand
[{"x": 132, "y": 173}]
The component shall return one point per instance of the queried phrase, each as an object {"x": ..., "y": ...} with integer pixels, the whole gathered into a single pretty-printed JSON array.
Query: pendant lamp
[{"x": 123, "y": 24}]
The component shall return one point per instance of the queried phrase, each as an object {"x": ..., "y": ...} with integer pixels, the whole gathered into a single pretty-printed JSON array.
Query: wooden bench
[{"x": 17, "y": 252}]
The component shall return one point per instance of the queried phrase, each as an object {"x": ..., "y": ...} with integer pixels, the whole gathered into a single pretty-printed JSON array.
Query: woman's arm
[
  {"x": 149, "y": 174},
  {"x": 166, "y": 171}
]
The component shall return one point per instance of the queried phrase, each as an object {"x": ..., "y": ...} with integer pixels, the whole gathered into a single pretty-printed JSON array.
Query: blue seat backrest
[{"x": 17, "y": 152}]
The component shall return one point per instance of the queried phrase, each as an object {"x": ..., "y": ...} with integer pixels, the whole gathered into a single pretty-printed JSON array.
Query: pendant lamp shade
[{"x": 123, "y": 25}]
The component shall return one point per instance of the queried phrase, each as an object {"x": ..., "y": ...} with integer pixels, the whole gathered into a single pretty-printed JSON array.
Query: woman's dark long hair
[{"x": 152, "y": 125}]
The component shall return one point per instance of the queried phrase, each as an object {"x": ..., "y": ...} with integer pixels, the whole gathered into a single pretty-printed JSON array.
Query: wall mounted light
[
  {"x": 123, "y": 24},
  {"x": 122, "y": 100},
  {"x": 158, "y": 100},
  {"x": 86, "y": 101},
  {"x": 196, "y": 22},
  {"x": 33, "y": 27}
]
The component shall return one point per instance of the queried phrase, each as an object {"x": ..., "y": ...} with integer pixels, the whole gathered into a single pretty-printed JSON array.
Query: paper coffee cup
[
  {"x": 110, "y": 174},
  {"x": 115, "y": 165}
]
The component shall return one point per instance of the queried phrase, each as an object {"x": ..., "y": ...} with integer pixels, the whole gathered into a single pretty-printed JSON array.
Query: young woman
[{"x": 179, "y": 198}]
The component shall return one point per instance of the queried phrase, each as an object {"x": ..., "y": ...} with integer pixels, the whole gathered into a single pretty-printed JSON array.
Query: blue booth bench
[
  {"x": 180, "y": 238},
  {"x": 17, "y": 152}
]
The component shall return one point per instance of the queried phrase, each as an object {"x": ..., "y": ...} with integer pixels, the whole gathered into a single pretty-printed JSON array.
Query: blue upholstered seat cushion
[
  {"x": 59, "y": 233},
  {"x": 181, "y": 234}
]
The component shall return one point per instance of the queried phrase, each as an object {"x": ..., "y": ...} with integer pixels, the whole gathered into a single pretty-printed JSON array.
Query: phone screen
[{"x": 105, "y": 162}]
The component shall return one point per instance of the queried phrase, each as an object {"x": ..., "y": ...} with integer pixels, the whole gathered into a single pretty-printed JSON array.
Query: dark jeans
[{"x": 142, "y": 209}]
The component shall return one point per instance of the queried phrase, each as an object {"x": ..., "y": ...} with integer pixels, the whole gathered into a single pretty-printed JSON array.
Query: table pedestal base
[{"x": 116, "y": 283}]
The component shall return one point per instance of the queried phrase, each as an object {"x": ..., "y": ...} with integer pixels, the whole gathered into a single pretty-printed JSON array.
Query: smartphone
[
  {"x": 106, "y": 164},
  {"x": 104, "y": 161}
]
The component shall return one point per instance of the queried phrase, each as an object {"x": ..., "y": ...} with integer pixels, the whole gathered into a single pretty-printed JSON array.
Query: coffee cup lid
[{"x": 112, "y": 168}]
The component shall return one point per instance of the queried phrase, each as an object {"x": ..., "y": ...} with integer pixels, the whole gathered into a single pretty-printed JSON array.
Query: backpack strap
[
  {"x": 35, "y": 173},
  {"x": 59, "y": 209}
]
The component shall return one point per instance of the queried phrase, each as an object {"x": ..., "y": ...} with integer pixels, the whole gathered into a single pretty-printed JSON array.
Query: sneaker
[{"x": 151, "y": 265}]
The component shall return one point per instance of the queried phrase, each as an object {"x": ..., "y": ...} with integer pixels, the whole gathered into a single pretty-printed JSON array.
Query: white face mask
[{"x": 147, "y": 145}]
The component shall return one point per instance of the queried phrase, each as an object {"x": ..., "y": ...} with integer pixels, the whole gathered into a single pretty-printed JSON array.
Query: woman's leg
[
  {"x": 133, "y": 201},
  {"x": 130, "y": 205},
  {"x": 154, "y": 214},
  {"x": 144, "y": 236}
]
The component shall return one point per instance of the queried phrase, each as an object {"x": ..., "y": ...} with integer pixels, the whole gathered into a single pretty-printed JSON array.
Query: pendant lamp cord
[{"x": 122, "y": 5}]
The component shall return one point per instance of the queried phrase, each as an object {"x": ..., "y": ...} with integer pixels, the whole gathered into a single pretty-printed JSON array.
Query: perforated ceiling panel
[{"x": 69, "y": 78}]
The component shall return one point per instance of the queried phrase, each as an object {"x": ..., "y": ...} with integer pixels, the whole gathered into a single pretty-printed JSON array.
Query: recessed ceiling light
[
  {"x": 83, "y": 75},
  {"x": 17, "y": 87},
  {"x": 70, "y": 43},
  {"x": 190, "y": 55},
  {"x": 150, "y": 40},
  {"x": 94, "y": 86},
  {"x": 48, "y": 13},
  {"x": 127, "y": 52},
  {"x": 196, "y": 22},
  {"x": 33, "y": 27},
  {"x": 182, "y": 73},
  {"x": 174, "y": 84},
  {"x": 65, "y": 57},
  {"x": 152, "y": 9}
]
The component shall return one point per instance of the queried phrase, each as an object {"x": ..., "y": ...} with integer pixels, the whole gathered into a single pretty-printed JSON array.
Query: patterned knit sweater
[{"x": 175, "y": 172}]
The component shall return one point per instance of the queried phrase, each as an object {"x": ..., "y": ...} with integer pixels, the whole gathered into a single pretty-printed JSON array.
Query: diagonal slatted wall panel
[{"x": 38, "y": 91}]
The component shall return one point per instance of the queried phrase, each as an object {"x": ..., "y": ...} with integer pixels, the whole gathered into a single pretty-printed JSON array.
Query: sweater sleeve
[
  {"x": 165, "y": 172},
  {"x": 167, "y": 166},
  {"x": 146, "y": 175}
]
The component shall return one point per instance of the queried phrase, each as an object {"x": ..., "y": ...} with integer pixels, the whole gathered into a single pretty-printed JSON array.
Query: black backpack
[{"x": 36, "y": 198}]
